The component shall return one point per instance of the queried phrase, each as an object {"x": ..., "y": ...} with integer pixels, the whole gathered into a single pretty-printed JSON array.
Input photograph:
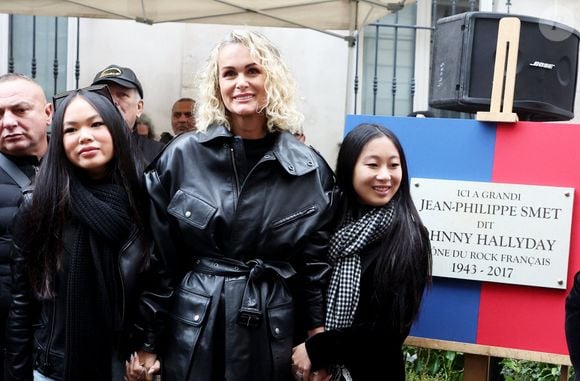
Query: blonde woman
[{"x": 241, "y": 212}]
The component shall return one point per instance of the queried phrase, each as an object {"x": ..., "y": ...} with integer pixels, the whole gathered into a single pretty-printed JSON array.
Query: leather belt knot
[
  {"x": 250, "y": 313},
  {"x": 257, "y": 270}
]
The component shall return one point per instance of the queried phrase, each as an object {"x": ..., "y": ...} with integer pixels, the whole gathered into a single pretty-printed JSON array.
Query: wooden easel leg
[
  {"x": 564, "y": 371},
  {"x": 476, "y": 367},
  {"x": 506, "y": 59}
]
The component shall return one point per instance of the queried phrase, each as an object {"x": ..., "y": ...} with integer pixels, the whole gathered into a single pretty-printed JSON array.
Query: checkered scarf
[{"x": 345, "y": 247}]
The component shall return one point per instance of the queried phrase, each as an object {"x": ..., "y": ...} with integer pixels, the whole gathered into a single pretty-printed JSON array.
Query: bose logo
[{"x": 543, "y": 65}]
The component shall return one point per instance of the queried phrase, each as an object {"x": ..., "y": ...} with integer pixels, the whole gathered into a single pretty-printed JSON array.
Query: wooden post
[
  {"x": 564, "y": 372},
  {"x": 475, "y": 367},
  {"x": 502, "y": 93}
]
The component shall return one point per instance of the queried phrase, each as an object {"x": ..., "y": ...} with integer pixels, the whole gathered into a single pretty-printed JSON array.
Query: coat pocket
[
  {"x": 295, "y": 216},
  {"x": 190, "y": 209},
  {"x": 187, "y": 315},
  {"x": 281, "y": 320}
]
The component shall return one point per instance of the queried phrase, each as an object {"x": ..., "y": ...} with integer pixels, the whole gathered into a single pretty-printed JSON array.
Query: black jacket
[
  {"x": 148, "y": 148},
  {"x": 371, "y": 349},
  {"x": 10, "y": 196},
  {"x": 573, "y": 322},
  {"x": 206, "y": 203},
  {"x": 35, "y": 330}
]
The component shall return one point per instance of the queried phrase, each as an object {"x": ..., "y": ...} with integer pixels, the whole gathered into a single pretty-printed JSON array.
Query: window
[
  {"x": 388, "y": 84},
  {"x": 34, "y": 42}
]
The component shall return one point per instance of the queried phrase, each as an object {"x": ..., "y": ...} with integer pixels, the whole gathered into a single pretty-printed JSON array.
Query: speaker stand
[{"x": 508, "y": 41}]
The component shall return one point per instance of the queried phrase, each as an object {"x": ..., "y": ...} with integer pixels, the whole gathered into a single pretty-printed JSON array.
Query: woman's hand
[
  {"x": 301, "y": 366},
  {"x": 320, "y": 375},
  {"x": 142, "y": 366},
  {"x": 300, "y": 362}
]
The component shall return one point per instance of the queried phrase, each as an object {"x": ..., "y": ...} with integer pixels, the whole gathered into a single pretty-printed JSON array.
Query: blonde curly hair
[{"x": 280, "y": 87}]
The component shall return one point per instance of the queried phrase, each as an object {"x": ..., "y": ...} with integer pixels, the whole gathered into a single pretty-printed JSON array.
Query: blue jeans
[
  {"x": 40, "y": 377},
  {"x": 118, "y": 371}
]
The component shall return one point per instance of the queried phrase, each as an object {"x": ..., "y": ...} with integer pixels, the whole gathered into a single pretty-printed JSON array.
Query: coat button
[
  {"x": 266, "y": 156},
  {"x": 291, "y": 168},
  {"x": 309, "y": 163},
  {"x": 188, "y": 214},
  {"x": 196, "y": 318}
]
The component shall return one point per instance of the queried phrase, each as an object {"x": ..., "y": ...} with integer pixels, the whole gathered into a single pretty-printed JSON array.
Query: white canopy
[{"x": 321, "y": 15}]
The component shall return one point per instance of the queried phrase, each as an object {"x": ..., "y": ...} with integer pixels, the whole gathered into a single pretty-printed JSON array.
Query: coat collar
[
  {"x": 22, "y": 160},
  {"x": 295, "y": 157}
]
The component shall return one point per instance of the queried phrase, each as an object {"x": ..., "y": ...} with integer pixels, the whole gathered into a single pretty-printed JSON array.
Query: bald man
[
  {"x": 25, "y": 116},
  {"x": 182, "y": 116}
]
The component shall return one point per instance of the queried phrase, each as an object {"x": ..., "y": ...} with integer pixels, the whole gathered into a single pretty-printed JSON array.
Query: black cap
[{"x": 122, "y": 76}]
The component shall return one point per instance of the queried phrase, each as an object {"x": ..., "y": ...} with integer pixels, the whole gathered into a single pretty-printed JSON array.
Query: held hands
[
  {"x": 320, "y": 375},
  {"x": 301, "y": 366},
  {"x": 141, "y": 366}
]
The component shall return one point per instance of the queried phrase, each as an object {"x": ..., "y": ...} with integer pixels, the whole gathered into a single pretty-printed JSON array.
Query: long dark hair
[
  {"x": 50, "y": 206},
  {"x": 404, "y": 266}
]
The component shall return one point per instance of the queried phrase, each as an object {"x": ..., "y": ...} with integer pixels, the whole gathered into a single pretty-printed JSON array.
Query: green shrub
[
  {"x": 520, "y": 370},
  {"x": 423, "y": 377},
  {"x": 424, "y": 364}
]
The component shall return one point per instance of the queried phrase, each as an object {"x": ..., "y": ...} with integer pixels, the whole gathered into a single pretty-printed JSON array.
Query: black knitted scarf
[{"x": 92, "y": 284}]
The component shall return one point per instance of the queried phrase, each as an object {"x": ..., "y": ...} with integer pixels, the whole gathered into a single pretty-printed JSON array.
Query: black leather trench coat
[{"x": 246, "y": 249}]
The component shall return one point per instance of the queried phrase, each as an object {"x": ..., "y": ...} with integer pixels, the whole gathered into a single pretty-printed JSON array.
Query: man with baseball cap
[{"x": 128, "y": 94}]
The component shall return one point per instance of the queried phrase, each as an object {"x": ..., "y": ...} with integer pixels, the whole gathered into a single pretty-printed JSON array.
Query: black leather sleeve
[
  {"x": 157, "y": 286},
  {"x": 152, "y": 305},
  {"x": 314, "y": 271},
  {"x": 23, "y": 314},
  {"x": 353, "y": 344},
  {"x": 573, "y": 322}
]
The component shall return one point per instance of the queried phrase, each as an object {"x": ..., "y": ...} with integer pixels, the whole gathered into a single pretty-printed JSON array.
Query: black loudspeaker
[{"x": 464, "y": 59}]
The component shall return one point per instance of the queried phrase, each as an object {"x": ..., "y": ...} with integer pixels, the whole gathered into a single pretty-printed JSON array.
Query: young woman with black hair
[
  {"x": 381, "y": 259},
  {"x": 79, "y": 248}
]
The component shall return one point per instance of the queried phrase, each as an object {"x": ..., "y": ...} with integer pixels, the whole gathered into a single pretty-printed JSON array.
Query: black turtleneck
[{"x": 256, "y": 148}]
